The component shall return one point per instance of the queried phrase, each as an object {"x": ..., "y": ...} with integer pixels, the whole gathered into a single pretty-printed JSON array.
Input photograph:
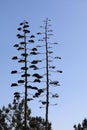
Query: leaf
[
  {"x": 22, "y": 43},
  {"x": 16, "y": 93},
  {"x": 24, "y": 68},
  {"x": 57, "y": 57},
  {"x": 32, "y": 41},
  {"x": 40, "y": 91},
  {"x": 25, "y": 26},
  {"x": 53, "y": 67},
  {"x": 38, "y": 33},
  {"x": 60, "y": 71},
  {"x": 36, "y": 95},
  {"x": 14, "y": 84},
  {"x": 21, "y": 81},
  {"x": 19, "y": 29},
  {"x": 34, "y": 49},
  {"x": 25, "y": 75},
  {"x": 54, "y": 83},
  {"x": 14, "y": 72},
  {"x": 29, "y": 99},
  {"x": 21, "y": 23},
  {"x": 32, "y": 36},
  {"x": 24, "y": 54},
  {"x": 55, "y": 95},
  {"x": 17, "y": 96},
  {"x": 15, "y": 58},
  {"x": 34, "y": 67},
  {"x": 26, "y": 31},
  {"x": 37, "y": 75},
  {"x": 20, "y": 36},
  {"x": 33, "y": 53},
  {"x": 35, "y": 88},
  {"x": 16, "y": 45},
  {"x": 50, "y": 52},
  {"x": 37, "y": 80},
  {"x": 20, "y": 48},
  {"x": 36, "y": 61},
  {"x": 43, "y": 102},
  {"x": 21, "y": 61}
]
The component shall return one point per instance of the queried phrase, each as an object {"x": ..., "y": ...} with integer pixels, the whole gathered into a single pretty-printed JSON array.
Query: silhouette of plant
[
  {"x": 11, "y": 117},
  {"x": 39, "y": 58},
  {"x": 46, "y": 47},
  {"x": 82, "y": 126},
  {"x": 27, "y": 51}
]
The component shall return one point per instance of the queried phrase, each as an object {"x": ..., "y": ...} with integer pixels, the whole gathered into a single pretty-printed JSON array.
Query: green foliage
[
  {"x": 12, "y": 118},
  {"x": 81, "y": 126}
]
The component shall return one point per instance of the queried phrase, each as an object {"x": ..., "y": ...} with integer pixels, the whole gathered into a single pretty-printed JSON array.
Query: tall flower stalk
[{"x": 49, "y": 68}]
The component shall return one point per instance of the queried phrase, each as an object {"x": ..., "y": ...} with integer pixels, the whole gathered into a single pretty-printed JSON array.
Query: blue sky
[{"x": 69, "y": 22}]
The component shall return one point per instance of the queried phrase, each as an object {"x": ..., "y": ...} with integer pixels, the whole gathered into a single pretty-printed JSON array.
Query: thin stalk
[
  {"x": 25, "y": 105},
  {"x": 47, "y": 77}
]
